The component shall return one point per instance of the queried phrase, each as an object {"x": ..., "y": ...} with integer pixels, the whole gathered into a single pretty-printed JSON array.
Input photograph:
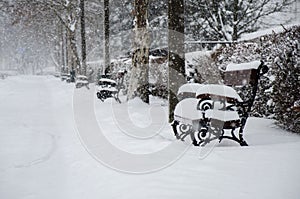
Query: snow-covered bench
[
  {"x": 241, "y": 74},
  {"x": 107, "y": 88},
  {"x": 188, "y": 91},
  {"x": 206, "y": 117},
  {"x": 213, "y": 110}
]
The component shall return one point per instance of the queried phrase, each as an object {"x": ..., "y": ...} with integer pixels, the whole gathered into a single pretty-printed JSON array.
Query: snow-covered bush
[
  {"x": 279, "y": 89},
  {"x": 243, "y": 53},
  {"x": 207, "y": 72},
  {"x": 286, "y": 89}
]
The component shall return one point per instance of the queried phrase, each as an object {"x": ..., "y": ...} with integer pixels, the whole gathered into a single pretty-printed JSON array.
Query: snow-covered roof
[
  {"x": 243, "y": 66},
  {"x": 189, "y": 88},
  {"x": 222, "y": 115},
  {"x": 218, "y": 90}
]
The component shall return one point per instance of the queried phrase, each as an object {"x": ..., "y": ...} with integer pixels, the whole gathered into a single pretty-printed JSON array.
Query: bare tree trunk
[
  {"x": 235, "y": 19},
  {"x": 139, "y": 82},
  {"x": 75, "y": 62},
  {"x": 106, "y": 38},
  {"x": 83, "y": 39},
  {"x": 67, "y": 61},
  {"x": 176, "y": 52},
  {"x": 63, "y": 54}
]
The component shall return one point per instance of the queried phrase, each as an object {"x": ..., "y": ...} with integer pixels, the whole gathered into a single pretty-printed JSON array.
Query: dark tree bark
[
  {"x": 83, "y": 38},
  {"x": 74, "y": 58},
  {"x": 176, "y": 52},
  {"x": 62, "y": 47},
  {"x": 106, "y": 38},
  {"x": 66, "y": 50},
  {"x": 235, "y": 19},
  {"x": 139, "y": 82}
]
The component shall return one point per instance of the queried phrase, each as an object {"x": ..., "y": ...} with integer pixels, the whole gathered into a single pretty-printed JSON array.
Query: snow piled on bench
[
  {"x": 222, "y": 115},
  {"x": 218, "y": 90},
  {"x": 107, "y": 80},
  {"x": 186, "y": 110},
  {"x": 189, "y": 88}
]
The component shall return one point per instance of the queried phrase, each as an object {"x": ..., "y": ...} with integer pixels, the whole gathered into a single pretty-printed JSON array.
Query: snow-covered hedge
[
  {"x": 286, "y": 86},
  {"x": 279, "y": 89}
]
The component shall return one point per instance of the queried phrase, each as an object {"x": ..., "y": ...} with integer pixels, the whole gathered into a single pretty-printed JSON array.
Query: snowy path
[{"x": 41, "y": 155}]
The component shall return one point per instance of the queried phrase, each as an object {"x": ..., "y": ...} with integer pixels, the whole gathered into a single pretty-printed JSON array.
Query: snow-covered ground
[{"x": 42, "y": 155}]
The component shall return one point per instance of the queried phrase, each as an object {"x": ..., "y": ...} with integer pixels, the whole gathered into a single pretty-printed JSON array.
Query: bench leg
[
  {"x": 241, "y": 132},
  {"x": 233, "y": 137},
  {"x": 174, "y": 127},
  {"x": 243, "y": 143}
]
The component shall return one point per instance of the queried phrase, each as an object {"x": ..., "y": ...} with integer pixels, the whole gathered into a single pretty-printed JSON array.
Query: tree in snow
[
  {"x": 28, "y": 46},
  {"x": 139, "y": 81},
  {"x": 176, "y": 52},
  {"x": 228, "y": 19},
  {"x": 58, "y": 23},
  {"x": 83, "y": 37},
  {"x": 69, "y": 17},
  {"x": 106, "y": 37}
]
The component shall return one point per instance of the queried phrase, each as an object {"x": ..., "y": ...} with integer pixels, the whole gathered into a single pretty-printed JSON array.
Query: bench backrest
[{"x": 241, "y": 74}]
